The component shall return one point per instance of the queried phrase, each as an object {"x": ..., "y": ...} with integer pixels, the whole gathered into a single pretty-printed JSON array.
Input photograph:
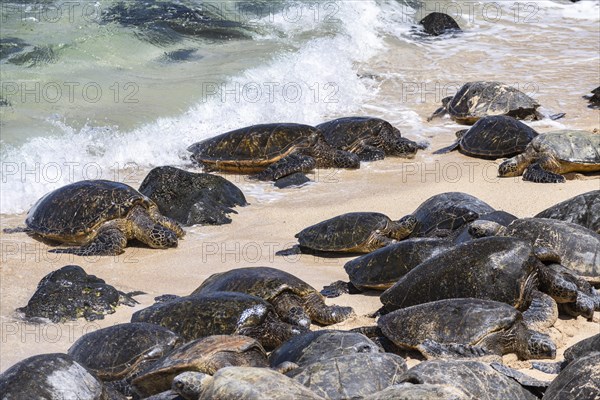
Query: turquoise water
[{"x": 90, "y": 89}]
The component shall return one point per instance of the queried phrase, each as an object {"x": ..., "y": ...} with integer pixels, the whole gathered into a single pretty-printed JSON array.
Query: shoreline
[{"x": 393, "y": 186}]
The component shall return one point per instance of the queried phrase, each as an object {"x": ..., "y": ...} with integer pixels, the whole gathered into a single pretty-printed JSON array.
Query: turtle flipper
[
  {"x": 337, "y": 288},
  {"x": 369, "y": 153},
  {"x": 324, "y": 314},
  {"x": 549, "y": 368},
  {"x": 523, "y": 379},
  {"x": 434, "y": 350},
  {"x": 18, "y": 229},
  {"x": 542, "y": 313},
  {"x": 535, "y": 173},
  {"x": 286, "y": 166},
  {"x": 109, "y": 242},
  {"x": 584, "y": 305},
  {"x": 452, "y": 147},
  {"x": 440, "y": 112}
]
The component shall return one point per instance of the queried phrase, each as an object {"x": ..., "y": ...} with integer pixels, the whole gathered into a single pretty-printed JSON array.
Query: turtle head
[
  {"x": 482, "y": 228},
  {"x": 510, "y": 167},
  {"x": 403, "y": 147},
  {"x": 403, "y": 227},
  {"x": 191, "y": 384},
  {"x": 461, "y": 133},
  {"x": 539, "y": 345}
]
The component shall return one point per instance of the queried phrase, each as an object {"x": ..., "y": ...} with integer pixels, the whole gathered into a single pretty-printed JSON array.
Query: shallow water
[{"x": 90, "y": 97}]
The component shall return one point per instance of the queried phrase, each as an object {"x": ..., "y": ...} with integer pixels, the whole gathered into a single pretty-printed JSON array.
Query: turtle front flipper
[
  {"x": 434, "y": 350},
  {"x": 549, "y": 368},
  {"x": 542, "y": 312},
  {"x": 535, "y": 173},
  {"x": 324, "y": 314},
  {"x": 583, "y": 305},
  {"x": 366, "y": 152},
  {"x": 110, "y": 241},
  {"x": 452, "y": 147},
  {"x": 287, "y": 166},
  {"x": 337, "y": 288}
]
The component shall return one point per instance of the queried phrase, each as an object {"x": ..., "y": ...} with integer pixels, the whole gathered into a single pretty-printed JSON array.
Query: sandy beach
[{"x": 268, "y": 224}]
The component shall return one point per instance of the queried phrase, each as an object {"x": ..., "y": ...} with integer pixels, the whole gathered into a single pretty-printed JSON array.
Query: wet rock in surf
[{"x": 436, "y": 24}]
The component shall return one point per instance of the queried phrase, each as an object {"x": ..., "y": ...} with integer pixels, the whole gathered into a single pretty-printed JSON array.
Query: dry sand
[{"x": 393, "y": 186}]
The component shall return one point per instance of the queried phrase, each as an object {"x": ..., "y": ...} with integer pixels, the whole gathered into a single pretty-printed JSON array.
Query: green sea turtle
[
  {"x": 357, "y": 232},
  {"x": 594, "y": 98},
  {"x": 475, "y": 100},
  {"x": 382, "y": 268},
  {"x": 370, "y": 138},
  {"x": 294, "y": 300},
  {"x": 70, "y": 293},
  {"x": 220, "y": 313},
  {"x": 206, "y": 355},
  {"x": 454, "y": 328},
  {"x": 241, "y": 383},
  {"x": 496, "y": 268},
  {"x": 493, "y": 137},
  {"x": 53, "y": 376},
  {"x": 100, "y": 216},
  {"x": 411, "y": 391},
  {"x": 350, "y": 376},
  {"x": 579, "y": 380},
  {"x": 442, "y": 214},
  {"x": 577, "y": 247},
  {"x": 583, "y": 209},
  {"x": 437, "y": 23},
  {"x": 320, "y": 345},
  {"x": 578, "y": 350},
  {"x": 549, "y": 156},
  {"x": 116, "y": 354},
  {"x": 191, "y": 198},
  {"x": 270, "y": 151},
  {"x": 477, "y": 380}
]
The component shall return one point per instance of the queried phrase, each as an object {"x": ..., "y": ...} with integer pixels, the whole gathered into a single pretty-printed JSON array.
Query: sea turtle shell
[
  {"x": 72, "y": 213},
  {"x": 579, "y": 380},
  {"x": 320, "y": 345},
  {"x": 496, "y": 136},
  {"x": 382, "y": 268},
  {"x": 52, "y": 376},
  {"x": 475, "y": 100},
  {"x": 443, "y": 213},
  {"x": 120, "y": 351},
  {"x": 583, "y": 209},
  {"x": 346, "y": 232},
  {"x": 502, "y": 269},
  {"x": 206, "y": 355},
  {"x": 351, "y": 376},
  {"x": 253, "y": 148}
]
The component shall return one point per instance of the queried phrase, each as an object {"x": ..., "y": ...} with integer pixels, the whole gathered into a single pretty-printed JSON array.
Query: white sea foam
[{"x": 308, "y": 85}]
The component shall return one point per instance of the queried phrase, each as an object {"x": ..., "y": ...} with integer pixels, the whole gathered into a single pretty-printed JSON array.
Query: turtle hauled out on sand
[
  {"x": 370, "y": 138},
  {"x": 70, "y": 293},
  {"x": 321, "y": 345},
  {"x": 444, "y": 213},
  {"x": 241, "y": 383},
  {"x": 549, "y": 156},
  {"x": 579, "y": 380},
  {"x": 357, "y": 232},
  {"x": 271, "y": 151},
  {"x": 220, "y": 313},
  {"x": 351, "y": 376},
  {"x": 475, "y": 100},
  {"x": 455, "y": 328},
  {"x": 583, "y": 209},
  {"x": 52, "y": 376},
  {"x": 492, "y": 137},
  {"x": 206, "y": 355},
  {"x": 294, "y": 300},
  {"x": 382, "y": 268},
  {"x": 100, "y": 216},
  {"x": 116, "y": 354}
]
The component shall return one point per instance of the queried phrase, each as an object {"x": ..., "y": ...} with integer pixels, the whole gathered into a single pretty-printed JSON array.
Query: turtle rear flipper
[
  {"x": 324, "y": 314},
  {"x": 337, "y": 288},
  {"x": 452, "y": 147},
  {"x": 109, "y": 242},
  {"x": 535, "y": 173},
  {"x": 434, "y": 350},
  {"x": 18, "y": 229},
  {"x": 286, "y": 166}
]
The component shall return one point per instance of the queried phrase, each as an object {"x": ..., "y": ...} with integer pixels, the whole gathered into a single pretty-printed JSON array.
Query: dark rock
[{"x": 436, "y": 24}]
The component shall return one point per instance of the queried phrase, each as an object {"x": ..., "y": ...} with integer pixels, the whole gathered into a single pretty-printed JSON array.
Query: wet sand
[{"x": 392, "y": 186}]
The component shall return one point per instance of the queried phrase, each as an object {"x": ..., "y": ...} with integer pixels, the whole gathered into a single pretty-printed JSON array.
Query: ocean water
[{"x": 110, "y": 89}]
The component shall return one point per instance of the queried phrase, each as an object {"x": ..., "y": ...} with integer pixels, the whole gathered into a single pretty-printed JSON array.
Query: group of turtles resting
[{"x": 464, "y": 284}]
